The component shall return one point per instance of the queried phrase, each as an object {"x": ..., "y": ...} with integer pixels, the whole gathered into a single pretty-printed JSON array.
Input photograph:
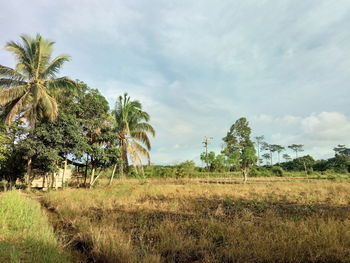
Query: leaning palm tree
[
  {"x": 132, "y": 128},
  {"x": 27, "y": 91}
]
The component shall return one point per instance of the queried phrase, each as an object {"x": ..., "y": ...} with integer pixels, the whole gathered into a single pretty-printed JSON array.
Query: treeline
[
  {"x": 229, "y": 160},
  {"x": 49, "y": 122}
]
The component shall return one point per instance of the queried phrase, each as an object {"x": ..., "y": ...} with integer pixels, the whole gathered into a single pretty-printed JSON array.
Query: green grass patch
[{"x": 25, "y": 234}]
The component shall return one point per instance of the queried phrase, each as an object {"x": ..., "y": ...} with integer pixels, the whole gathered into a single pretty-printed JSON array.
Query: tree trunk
[
  {"x": 86, "y": 170},
  {"x": 55, "y": 176},
  {"x": 29, "y": 173},
  {"x": 245, "y": 174},
  {"x": 64, "y": 171},
  {"x": 52, "y": 180},
  {"x": 113, "y": 172},
  {"x": 92, "y": 176},
  {"x": 121, "y": 170}
]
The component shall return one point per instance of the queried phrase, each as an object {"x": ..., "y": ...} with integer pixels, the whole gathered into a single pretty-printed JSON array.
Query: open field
[
  {"x": 25, "y": 233},
  {"x": 181, "y": 221}
]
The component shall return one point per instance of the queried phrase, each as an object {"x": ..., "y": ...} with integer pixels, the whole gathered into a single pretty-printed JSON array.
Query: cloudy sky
[{"x": 198, "y": 65}]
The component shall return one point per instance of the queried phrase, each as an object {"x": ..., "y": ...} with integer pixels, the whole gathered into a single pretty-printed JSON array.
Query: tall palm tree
[
  {"x": 28, "y": 89},
  {"x": 132, "y": 128}
]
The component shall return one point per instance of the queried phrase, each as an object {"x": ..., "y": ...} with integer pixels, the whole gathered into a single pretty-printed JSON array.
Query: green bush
[
  {"x": 277, "y": 171},
  {"x": 260, "y": 171}
]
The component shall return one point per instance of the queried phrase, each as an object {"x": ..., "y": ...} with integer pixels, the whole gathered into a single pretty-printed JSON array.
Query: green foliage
[
  {"x": 260, "y": 171},
  {"x": 25, "y": 233},
  {"x": 133, "y": 129},
  {"x": 277, "y": 170},
  {"x": 299, "y": 164},
  {"x": 29, "y": 89},
  {"x": 217, "y": 163},
  {"x": 238, "y": 143}
]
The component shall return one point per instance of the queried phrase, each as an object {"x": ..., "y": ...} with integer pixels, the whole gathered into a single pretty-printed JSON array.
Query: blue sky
[{"x": 197, "y": 66}]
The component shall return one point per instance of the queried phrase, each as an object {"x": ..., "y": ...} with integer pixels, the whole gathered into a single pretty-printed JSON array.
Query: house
[{"x": 53, "y": 180}]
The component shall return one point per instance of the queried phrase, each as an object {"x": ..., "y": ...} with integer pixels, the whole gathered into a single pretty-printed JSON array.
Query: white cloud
[
  {"x": 319, "y": 132},
  {"x": 197, "y": 66}
]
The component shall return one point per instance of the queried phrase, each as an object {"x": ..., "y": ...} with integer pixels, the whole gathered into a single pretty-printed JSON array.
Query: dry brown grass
[{"x": 178, "y": 221}]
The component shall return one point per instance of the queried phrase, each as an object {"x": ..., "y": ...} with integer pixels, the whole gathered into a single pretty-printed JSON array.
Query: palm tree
[
  {"x": 132, "y": 128},
  {"x": 27, "y": 91}
]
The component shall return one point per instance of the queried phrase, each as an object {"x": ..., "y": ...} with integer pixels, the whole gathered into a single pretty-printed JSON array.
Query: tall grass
[
  {"x": 166, "y": 221},
  {"x": 25, "y": 234}
]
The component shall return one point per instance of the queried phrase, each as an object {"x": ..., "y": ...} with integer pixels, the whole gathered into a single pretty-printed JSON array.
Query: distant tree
[
  {"x": 268, "y": 147},
  {"x": 133, "y": 130},
  {"x": 296, "y": 148},
  {"x": 259, "y": 140},
  {"x": 299, "y": 164},
  {"x": 278, "y": 149},
  {"x": 267, "y": 157},
  {"x": 341, "y": 149},
  {"x": 213, "y": 161},
  {"x": 238, "y": 141},
  {"x": 286, "y": 157}
]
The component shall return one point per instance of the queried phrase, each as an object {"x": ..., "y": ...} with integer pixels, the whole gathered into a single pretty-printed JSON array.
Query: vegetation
[
  {"x": 163, "y": 221},
  {"x": 25, "y": 233},
  {"x": 171, "y": 213}
]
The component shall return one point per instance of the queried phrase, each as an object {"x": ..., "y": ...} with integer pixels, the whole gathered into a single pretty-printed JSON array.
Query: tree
[
  {"x": 267, "y": 157},
  {"x": 96, "y": 123},
  {"x": 296, "y": 148},
  {"x": 27, "y": 90},
  {"x": 341, "y": 149},
  {"x": 268, "y": 147},
  {"x": 238, "y": 141},
  {"x": 259, "y": 141},
  {"x": 286, "y": 157},
  {"x": 133, "y": 129},
  {"x": 214, "y": 162},
  {"x": 299, "y": 164},
  {"x": 278, "y": 148}
]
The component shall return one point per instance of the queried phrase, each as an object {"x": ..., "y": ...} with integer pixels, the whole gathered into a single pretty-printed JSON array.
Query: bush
[
  {"x": 277, "y": 171},
  {"x": 260, "y": 171}
]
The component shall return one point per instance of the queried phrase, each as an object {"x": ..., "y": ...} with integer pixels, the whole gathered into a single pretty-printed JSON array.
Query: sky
[{"x": 199, "y": 65}]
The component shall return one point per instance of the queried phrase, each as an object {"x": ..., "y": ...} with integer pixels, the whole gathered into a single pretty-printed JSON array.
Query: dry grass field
[{"x": 181, "y": 221}]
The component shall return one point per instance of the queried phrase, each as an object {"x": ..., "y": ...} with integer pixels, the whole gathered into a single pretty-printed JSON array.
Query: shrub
[
  {"x": 260, "y": 171},
  {"x": 277, "y": 171}
]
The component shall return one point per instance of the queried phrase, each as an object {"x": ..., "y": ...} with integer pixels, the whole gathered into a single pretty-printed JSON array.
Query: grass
[
  {"x": 186, "y": 221},
  {"x": 25, "y": 234}
]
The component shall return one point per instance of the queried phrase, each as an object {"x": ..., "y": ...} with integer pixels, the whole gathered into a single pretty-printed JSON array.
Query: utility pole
[{"x": 206, "y": 143}]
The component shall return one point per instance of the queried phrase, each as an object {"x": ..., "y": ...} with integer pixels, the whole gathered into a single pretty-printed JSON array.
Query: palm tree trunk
[
  {"x": 113, "y": 172},
  {"x": 126, "y": 162}
]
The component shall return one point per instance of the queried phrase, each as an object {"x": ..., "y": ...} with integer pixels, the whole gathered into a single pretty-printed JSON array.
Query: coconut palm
[
  {"x": 28, "y": 89},
  {"x": 132, "y": 128}
]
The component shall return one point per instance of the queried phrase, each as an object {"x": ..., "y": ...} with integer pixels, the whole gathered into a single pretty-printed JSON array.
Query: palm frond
[
  {"x": 10, "y": 73},
  {"x": 9, "y": 83},
  {"x": 48, "y": 107},
  {"x": 53, "y": 68},
  {"x": 142, "y": 137},
  {"x": 59, "y": 83},
  {"x": 140, "y": 149},
  {"x": 135, "y": 157},
  {"x": 16, "y": 109},
  {"x": 11, "y": 94},
  {"x": 143, "y": 126},
  {"x": 23, "y": 57}
]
